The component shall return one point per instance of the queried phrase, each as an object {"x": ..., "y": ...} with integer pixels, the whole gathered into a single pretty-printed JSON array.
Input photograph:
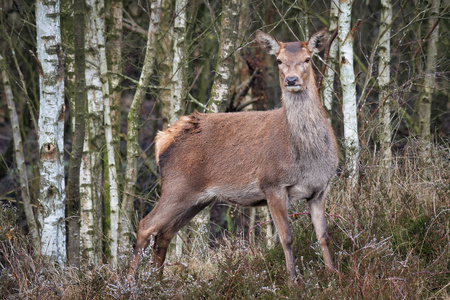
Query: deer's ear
[
  {"x": 267, "y": 42},
  {"x": 318, "y": 41}
]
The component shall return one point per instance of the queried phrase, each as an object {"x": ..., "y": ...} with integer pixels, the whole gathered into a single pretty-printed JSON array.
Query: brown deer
[{"x": 249, "y": 158}]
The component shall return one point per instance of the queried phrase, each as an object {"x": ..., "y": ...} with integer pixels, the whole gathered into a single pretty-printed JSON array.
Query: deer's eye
[
  {"x": 279, "y": 61},
  {"x": 307, "y": 60}
]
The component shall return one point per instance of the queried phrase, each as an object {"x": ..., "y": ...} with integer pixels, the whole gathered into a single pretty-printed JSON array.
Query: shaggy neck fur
[{"x": 307, "y": 123}]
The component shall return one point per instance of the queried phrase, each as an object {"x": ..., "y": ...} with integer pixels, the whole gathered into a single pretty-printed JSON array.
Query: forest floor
[{"x": 389, "y": 238}]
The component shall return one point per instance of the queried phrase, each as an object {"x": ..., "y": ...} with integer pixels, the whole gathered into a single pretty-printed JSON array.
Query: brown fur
[
  {"x": 165, "y": 138},
  {"x": 248, "y": 158}
]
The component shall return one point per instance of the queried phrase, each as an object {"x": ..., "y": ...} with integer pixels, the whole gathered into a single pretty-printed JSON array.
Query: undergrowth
[{"x": 389, "y": 238}]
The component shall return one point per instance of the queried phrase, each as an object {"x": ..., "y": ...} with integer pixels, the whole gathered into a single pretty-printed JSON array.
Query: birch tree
[
  {"x": 178, "y": 83},
  {"x": 384, "y": 78},
  {"x": 126, "y": 208},
  {"x": 115, "y": 57},
  {"x": 347, "y": 77},
  {"x": 77, "y": 114},
  {"x": 91, "y": 164},
  {"x": 225, "y": 66},
  {"x": 98, "y": 8},
  {"x": 51, "y": 130},
  {"x": 328, "y": 77},
  {"x": 178, "y": 80},
  {"x": 19, "y": 158},
  {"x": 423, "y": 105}
]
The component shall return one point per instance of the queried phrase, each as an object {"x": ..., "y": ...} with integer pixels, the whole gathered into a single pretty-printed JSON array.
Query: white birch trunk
[
  {"x": 384, "y": 79},
  {"x": 126, "y": 210},
  {"x": 426, "y": 95},
  {"x": 112, "y": 170},
  {"x": 51, "y": 131},
  {"x": 91, "y": 164},
  {"x": 328, "y": 77},
  {"x": 224, "y": 71},
  {"x": 347, "y": 76},
  {"x": 425, "y": 98},
  {"x": 20, "y": 160},
  {"x": 115, "y": 56},
  {"x": 178, "y": 83}
]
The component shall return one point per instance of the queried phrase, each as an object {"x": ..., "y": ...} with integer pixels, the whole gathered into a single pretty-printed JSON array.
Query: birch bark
[
  {"x": 347, "y": 77},
  {"x": 423, "y": 105},
  {"x": 91, "y": 164},
  {"x": 115, "y": 56},
  {"x": 225, "y": 66},
  {"x": 423, "y": 108},
  {"x": 77, "y": 100},
  {"x": 178, "y": 82},
  {"x": 126, "y": 211},
  {"x": 20, "y": 160},
  {"x": 51, "y": 130},
  {"x": 328, "y": 77},
  {"x": 98, "y": 10},
  {"x": 384, "y": 78}
]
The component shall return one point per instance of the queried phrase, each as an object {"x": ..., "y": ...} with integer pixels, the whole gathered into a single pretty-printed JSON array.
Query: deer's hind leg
[{"x": 170, "y": 214}]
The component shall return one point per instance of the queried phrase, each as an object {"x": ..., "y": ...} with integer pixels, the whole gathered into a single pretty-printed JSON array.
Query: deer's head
[{"x": 294, "y": 59}]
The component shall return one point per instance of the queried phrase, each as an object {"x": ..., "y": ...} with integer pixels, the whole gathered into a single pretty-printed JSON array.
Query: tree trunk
[
  {"x": 125, "y": 225},
  {"x": 225, "y": 66},
  {"x": 115, "y": 56},
  {"x": 78, "y": 113},
  {"x": 384, "y": 79},
  {"x": 110, "y": 145},
  {"x": 328, "y": 77},
  {"x": 92, "y": 165},
  {"x": 347, "y": 77},
  {"x": 178, "y": 83},
  {"x": 51, "y": 130},
  {"x": 20, "y": 160},
  {"x": 423, "y": 106}
]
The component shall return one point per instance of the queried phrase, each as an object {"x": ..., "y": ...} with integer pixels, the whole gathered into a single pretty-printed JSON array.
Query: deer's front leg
[{"x": 277, "y": 201}]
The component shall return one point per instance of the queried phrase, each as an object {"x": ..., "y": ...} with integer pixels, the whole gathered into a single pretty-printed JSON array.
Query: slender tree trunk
[
  {"x": 347, "y": 77},
  {"x": 225, "y": 66},
  {"x": 115, "y": 56},
  {"x": 20, "y": 160},
  {"x": 423, "y": 106},
  {"x": 178, "y": 82},
  {"x": 110, "y": 146},
  {"x": 91, "y": 205},
  {"x": 51, "y": 130},
  {"x": 126, "y": 213},
  {"x": 166, "y": 64},
  {"x": 328, "y": 77},
  {"x": 384, "y": 78},
  {"x": 78, "y": 113}
]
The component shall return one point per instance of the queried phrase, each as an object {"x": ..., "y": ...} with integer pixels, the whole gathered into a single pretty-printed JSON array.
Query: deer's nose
[{"x": 291, "y": 80}]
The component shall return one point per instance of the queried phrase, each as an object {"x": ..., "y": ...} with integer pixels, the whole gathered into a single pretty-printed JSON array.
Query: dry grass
[{"x": 389, "y": 239}]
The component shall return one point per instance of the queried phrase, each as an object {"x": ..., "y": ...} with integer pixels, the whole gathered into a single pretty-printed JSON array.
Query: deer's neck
[{"x": 308, "y": 126}]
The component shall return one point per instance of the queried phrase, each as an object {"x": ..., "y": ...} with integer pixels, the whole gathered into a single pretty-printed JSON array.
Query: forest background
[{"x": 86, "y": 85}]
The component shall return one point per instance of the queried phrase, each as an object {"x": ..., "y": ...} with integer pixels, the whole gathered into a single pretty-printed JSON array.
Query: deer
[{"x": 249, "y": 158}]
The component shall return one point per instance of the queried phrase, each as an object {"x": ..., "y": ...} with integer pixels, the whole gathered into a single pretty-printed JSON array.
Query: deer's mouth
[{"x": 294, "y": 88}]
